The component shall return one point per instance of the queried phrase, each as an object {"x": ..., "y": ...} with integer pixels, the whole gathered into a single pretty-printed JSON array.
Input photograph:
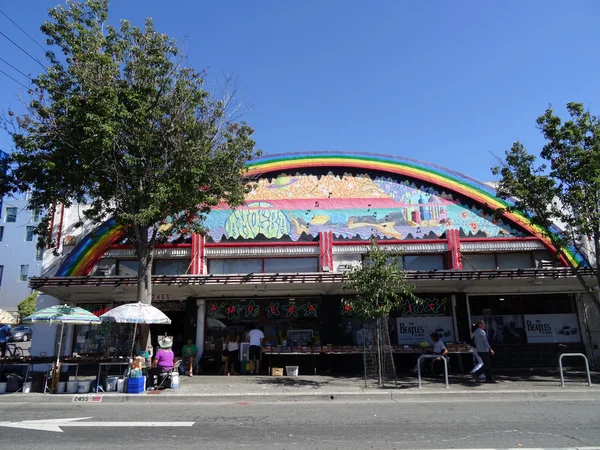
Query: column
[
  {"x": 326, "y": 251},
  {"x": 201, "y": 314},
  {"x": 198, "y": 260},
  {"x": 454, "y": 249}
]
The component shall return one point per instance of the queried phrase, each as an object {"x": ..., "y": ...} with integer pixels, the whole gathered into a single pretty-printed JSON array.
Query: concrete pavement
[{"x": 225, "y": 389}]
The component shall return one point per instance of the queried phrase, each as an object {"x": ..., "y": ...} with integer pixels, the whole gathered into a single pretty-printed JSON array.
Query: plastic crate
[{"x": 136, "y": 385}]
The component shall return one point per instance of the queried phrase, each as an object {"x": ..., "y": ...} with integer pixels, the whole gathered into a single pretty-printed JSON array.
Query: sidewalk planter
[{"x": 136, "y": 385}]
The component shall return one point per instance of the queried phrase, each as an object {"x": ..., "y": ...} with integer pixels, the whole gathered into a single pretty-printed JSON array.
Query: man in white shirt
[
  {"x": 255, "y": 337},
  {"x": 484, "y": 351}
]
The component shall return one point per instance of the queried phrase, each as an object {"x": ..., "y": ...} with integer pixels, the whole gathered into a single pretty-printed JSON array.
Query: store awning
[{"x": 265, "y": 285}]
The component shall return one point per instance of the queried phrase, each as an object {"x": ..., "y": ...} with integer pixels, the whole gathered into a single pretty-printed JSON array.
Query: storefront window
[
  {"x": 171, "y": 266},
  {"x": 417, "y": 319},
  {"x": 502, "y": 315}
]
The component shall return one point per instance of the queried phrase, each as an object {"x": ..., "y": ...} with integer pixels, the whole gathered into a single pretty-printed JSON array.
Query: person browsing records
[{"x": 255, "y": 337}]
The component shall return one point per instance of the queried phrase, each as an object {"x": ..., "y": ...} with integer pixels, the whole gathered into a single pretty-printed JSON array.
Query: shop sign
[
  {"x": 300, "y": 337},
  {"x": 291, "y": 309},
  {"x": 552, "y": 328},
  {"x": 159, "y": 297},
  {"x": 234, "y": 310},
  {"x": 435, "y": 305},
  {"x": 413, "y": 330}
]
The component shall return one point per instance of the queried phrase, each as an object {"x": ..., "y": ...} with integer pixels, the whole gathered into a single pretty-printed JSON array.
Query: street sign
[{"x": 56, "y": 425}]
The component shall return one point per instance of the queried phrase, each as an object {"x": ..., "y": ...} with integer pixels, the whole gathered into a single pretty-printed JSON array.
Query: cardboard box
[{"x": 276, "y": 371}]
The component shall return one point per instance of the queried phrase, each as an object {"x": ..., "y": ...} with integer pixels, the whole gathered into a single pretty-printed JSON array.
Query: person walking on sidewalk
[
  {"x": 255, "y": 337},
  {"x": 477, "y": 362},
  {"x": 189, "y": 353},
  {"x": 233, "y": 353},
  {"x": 485, "y": 352}
]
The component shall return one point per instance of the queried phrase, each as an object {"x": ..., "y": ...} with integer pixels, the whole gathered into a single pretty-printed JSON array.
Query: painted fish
[{"x": 319, "y": 219}]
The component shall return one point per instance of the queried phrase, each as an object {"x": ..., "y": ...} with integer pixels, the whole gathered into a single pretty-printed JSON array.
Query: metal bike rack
[
  {"x": 587, "y": 367},
  {"x": 429, "y": 357}
]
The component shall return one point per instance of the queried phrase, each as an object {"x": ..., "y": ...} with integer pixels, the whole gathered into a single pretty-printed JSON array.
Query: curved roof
[{"x": 87, "y": 253}]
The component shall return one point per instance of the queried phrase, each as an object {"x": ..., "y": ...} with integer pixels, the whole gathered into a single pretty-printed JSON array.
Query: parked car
[{"x": 21, "y": 333}]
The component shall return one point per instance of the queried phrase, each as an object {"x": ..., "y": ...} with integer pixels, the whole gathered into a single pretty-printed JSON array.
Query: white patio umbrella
[{"x": 135, "y": 313}]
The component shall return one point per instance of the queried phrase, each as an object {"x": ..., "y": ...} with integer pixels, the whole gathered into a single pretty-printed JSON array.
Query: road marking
[
  {"x": 530, "y": 448},
  {"x": 56, "y": 425}
]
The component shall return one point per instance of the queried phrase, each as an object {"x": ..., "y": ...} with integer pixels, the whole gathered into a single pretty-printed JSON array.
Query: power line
[
  {"x": 14, "y": 79},
  {"x": 24, "y": 51},
  {"x": 9, "y": 64},
  {"x": 27, "y": 34}
]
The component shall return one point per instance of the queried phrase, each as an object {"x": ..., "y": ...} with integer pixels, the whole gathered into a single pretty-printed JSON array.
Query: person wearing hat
[{"x": 163, "y": 360}]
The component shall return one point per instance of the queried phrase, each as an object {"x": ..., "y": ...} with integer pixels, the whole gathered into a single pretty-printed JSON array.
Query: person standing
[
  {"x": 233, "y": 350},
  {"x": 484, "y": 351},
  {"x": 255, "y": 337},
  {"x": 477, "y": 362},
  {"x": 189, "y": 352},
  {"x": 5, "y": 333}
]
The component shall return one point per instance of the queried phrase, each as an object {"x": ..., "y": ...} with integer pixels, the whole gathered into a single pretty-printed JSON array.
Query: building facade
[
  {"x": 279, "y": 261},
  {"x": 20, "y": 258}
]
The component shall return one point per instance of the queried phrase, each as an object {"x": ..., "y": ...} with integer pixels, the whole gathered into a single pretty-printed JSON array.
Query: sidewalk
[{"x": 520, "y": 385}]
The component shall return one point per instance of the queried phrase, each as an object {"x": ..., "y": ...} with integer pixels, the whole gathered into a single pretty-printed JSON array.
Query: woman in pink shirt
[{"x": 163, "y": 360}]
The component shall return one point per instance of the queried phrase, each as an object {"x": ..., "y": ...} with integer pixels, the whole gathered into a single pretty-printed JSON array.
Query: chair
[{"x": 168, "y": 376}]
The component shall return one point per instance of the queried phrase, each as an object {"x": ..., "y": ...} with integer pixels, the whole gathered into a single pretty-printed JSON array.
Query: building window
[
  {"x": 1, "y": 233},
  {"x": 39, "y": 254},
  {"x": 514, "y": 261},
  {"x": 1, "y": 272},
  {"x": 481, "y": 261},
  {"x": 24, "y": 272},
  {"x": 35, "y": 216},
  {"x": 11, "y": 214},
  {"x": 29, "y": 233},
  {"x": 424, "y": 262},
  {"x": 234, "y": 266},
  {"x": 171, "y": 266},
  {"x": 291, "y": 265},
  {"x": 127, "y": 268}
]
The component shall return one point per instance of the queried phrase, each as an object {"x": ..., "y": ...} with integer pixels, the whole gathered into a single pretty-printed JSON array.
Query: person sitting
[
  {"x": 163, "y": 360},
  {"x": 439, "y": 348}
]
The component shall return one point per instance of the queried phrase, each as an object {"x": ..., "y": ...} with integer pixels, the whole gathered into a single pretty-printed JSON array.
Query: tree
[
  {"x": 380, "y": 286},
  {"x": 117, "y": 122},
  {"x": 565, "y": 189},
  {"x": 27, "y": 305}
]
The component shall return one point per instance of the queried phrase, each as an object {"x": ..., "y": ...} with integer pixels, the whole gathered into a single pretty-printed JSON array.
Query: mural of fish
[{"x": 386, "y": 228}]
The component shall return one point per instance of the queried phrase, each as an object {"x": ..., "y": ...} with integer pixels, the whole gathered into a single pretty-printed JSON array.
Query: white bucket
[
  {"x": 62, "y": 387},
  {"x": 2, "y": 388},
  {"x": 291, "y": 371},
  {"x": 72, "y": 387},
  {"x": 27, "y": 387},
  {"x": 111, "y": 384},
  {"x": 84, "y": 387},
  {"x": 120, "y": 385},
  {"x": 175, "y": 381}
]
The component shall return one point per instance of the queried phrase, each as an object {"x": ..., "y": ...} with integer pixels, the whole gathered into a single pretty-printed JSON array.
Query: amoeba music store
[{"x": 279, "y": 262}]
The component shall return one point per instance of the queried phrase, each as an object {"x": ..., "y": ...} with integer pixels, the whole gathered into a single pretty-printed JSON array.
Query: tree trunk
[
  {"x": 145, "y": 255},
  {"x": 379, "y": 365}
]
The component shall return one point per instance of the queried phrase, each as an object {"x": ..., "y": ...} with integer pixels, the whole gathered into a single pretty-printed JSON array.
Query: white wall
[{"x": 14, "y": 252}]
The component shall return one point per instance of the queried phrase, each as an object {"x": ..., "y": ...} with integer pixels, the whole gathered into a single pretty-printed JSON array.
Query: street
[{"x": 382, "y": 425}]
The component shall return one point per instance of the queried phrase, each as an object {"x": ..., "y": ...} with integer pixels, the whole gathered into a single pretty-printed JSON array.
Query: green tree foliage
[
  {"x": 118, "y": 123},
  {"x": 564, "y": 188},
  {"x": 379, "y": 285},
  {"x": 27, "y": 305}
]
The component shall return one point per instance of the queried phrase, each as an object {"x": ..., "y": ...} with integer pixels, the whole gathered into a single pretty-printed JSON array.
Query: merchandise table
[
  {"x": 108, "y": 364},
  {"x": 27, "y": 370}
]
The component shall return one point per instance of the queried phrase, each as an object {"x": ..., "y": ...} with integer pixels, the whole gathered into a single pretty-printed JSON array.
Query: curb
[{"x": 403, "y": 396}]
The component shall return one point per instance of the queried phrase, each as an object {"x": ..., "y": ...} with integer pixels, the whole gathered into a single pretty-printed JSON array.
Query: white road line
[{"x": 56, "y": 425}]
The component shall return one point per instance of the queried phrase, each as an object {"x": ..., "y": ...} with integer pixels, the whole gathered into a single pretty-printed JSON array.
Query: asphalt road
[{"x": 384, "y": 425}]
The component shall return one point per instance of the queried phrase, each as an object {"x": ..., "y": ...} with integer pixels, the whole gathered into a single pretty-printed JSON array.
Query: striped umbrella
[
  {"x": 135, "y": 313},
  {"x": 6, "y": 317},
  {"x": 63, "y": 314}
]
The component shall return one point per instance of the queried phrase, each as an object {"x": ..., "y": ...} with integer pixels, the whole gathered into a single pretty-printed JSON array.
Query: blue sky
[{"x": 446, "y": 82}]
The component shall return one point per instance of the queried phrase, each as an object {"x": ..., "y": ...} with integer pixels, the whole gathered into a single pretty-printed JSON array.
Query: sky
[{"x": 450, "y": 83}]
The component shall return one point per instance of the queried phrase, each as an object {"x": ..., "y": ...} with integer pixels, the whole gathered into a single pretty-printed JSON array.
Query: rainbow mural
[{"x": 87, "y": 252}]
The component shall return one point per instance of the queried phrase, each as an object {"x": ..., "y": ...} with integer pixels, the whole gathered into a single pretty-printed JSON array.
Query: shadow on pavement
[{"x": 292, "y": 382}]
